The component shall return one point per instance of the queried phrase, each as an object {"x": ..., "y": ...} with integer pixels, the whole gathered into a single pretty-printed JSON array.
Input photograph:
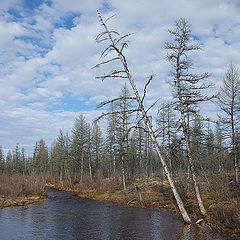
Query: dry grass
[
  {"x": 20, "y": 190},
  {"x": 224, "y": 205},
  {"x": 221, "y": 199}
]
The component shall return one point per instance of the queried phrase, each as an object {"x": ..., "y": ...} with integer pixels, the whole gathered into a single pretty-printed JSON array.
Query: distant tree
[
  {"x": 2, "y": 162},
  {"x": 121, "y": 114},
  {"x": 219, "y": 146},
  {"x": 123, "y": 123},
  {"x": 79, "y": 145},
  {"x": 40, "y": 158},
  {"x": 96, "y": 147},
  {"x": 167, "y": 127},
  {"x": 210, "y": 147},
  {"x": 111, "y": 141},
  {"x": 140, "y": 142},
  {"x": 132, "y": 164},
  {"x": 16, "y": 159},
  {"x": 9, "y": 163},
  {"x": 90, "y": 152},
  {"x": 62, "y": 156},
  {"x": 229, "y": 103},
  {"x": 22, "y": 161}
]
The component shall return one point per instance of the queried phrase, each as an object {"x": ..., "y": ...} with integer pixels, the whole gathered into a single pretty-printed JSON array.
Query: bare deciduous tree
[
  {"x": 116, "y": 46},
  {"x": 229, "y": 102}
]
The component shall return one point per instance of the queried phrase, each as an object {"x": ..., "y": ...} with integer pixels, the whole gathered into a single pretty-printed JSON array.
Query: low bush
[{"x": 21, "y": 185}]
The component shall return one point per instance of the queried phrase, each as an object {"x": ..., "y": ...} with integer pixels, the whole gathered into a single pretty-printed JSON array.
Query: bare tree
[
  {"x": 229, "y": 102},
  {"x": 121, "y": 113},
  {"x": 188, "y": 87},
  {"x": 167, "y": 126},
  {"x": 115, "y": 49}
]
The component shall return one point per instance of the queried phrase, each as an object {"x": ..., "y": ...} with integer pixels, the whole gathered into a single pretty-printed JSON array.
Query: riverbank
[
  {"x": 20, "y": 190},
  {"x": 221, "y": 201},
  {"x": 222, "y": 204},
  {"x": 19, "y": 201}
]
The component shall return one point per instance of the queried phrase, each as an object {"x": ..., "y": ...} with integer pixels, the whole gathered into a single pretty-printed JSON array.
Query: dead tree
[
  {"x": 116, "y": 46},
  {"x": 229, "y": 103},
  {"x": 188, "y": 87}
]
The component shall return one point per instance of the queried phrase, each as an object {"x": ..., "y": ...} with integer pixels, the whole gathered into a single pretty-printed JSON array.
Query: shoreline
[
  {"x": 145, "y": 194},
  {"x": 154, "y": 200},
  {"x": 19, "y": 201}
]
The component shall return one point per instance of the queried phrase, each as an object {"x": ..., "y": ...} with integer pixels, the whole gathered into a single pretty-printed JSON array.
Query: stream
[{"x": 65, "y": 216}]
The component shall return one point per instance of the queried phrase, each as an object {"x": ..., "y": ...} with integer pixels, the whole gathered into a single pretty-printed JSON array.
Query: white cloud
[
  {"x": 83, "y": 7},
  {"x": 42, "y": 60}
]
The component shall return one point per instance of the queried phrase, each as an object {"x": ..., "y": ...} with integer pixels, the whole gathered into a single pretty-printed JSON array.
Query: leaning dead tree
[{"x": 114, "y": 53}]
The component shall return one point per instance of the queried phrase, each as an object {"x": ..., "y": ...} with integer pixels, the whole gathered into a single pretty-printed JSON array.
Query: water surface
[{"x": 65, "y": 216}]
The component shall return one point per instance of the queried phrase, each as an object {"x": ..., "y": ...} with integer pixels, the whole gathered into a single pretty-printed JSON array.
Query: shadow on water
[{"x": 65, "y": 216}]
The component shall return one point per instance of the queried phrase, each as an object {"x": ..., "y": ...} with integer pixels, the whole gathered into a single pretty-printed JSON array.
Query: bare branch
[
  {"x": 105, "y": 62},
  {"x": 114, "y": 100},
  {"x": 116, "y": 112},
  {"x": 153, "y": 105},
  {"x": 121, "y": 38},
  {"x": 145, "y": 88}
]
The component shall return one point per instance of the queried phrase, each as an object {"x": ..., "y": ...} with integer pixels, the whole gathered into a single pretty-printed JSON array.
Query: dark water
[{"x": 64, "y": 216}]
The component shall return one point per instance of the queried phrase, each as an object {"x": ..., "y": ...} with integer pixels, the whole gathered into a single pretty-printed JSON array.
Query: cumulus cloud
[{"x": 47, "y": 52}]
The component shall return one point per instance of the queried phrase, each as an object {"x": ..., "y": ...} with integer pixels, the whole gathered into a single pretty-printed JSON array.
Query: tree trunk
[
  {"x": 148, "y": 125},
  {"x": 189, "y": 154},
  {"x": 114, "y": 167},
  {"x": 123, "y": 173},
  {"x": 154, "y": 140},
  {"x": 234, "y": 142},
  {"x": 68, "y": 177},
  {"x": 90, "y": 167},
  {"x": 82, "y": 168}
]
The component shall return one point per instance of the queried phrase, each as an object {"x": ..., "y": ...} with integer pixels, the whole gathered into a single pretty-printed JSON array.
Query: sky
[{"x": 48, "y": 49}]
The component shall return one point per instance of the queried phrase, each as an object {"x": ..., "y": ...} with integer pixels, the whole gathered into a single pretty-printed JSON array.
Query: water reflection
[{"x": 64, "y": 216}]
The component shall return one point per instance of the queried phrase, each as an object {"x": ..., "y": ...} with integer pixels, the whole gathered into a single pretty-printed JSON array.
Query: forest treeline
[
  {"x": 129, "y": 145},
  {"x": 126, "y": 150}
]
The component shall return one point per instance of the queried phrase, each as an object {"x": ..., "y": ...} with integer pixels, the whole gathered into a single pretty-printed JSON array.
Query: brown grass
[
  {"x": 20, "y": 189},
  {"x": 224, "y": 205}
]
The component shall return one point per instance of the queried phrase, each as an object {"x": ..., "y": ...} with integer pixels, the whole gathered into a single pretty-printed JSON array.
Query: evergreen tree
[
  {"x": 40, "y": 158},
  {"x": 79, "y": 146},
  {"x": 97, "y": 148},
  {"x": 16, "y": 159},
  {"x": 2, "y": 162},
  {"x": 9, "y": 163}
]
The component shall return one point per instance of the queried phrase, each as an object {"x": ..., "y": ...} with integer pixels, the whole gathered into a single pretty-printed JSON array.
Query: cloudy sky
[{"x": 47, "y": 50}]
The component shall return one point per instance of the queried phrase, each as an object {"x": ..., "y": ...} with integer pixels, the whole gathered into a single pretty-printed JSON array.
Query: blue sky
[{"x": 47, "y": 50}]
